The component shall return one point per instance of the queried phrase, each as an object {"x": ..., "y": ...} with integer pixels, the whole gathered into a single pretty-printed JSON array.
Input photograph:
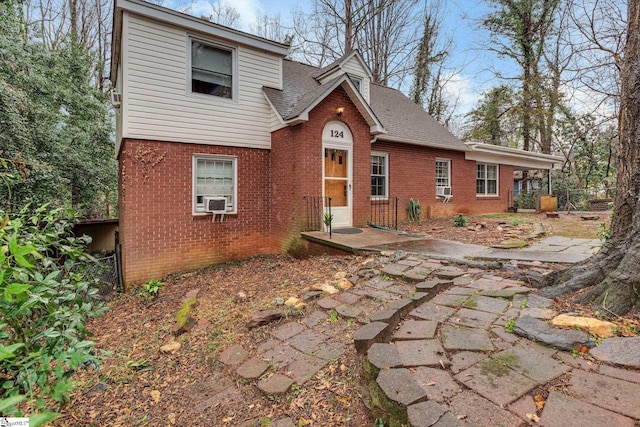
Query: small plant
[
  {"x": 151, "y": 289},
  {"x": 603, "y": 231},
  {"x": 327, "y": 219},
  {"x": 460, "y": 221},
  {"x": 509, "y": 326},
  {"x": 414, "y": 210},
  {"x": 333, "y": 316}
]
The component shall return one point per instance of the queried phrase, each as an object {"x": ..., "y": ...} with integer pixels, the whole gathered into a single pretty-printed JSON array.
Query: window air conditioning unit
[
  {"x": 216, "y": 206},
  {"x": 444, "y": 192},
  {"x": 116, "y": 99}
]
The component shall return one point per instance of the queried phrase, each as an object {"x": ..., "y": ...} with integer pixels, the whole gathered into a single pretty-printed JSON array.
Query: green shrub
[
  {"x": 151, "y": 289},
  {"x": 45, "y": 306},
  {"x": 460, "y": 221},
  {"x": 414, "y": 210},
  {"x": 525, "y": 200}
]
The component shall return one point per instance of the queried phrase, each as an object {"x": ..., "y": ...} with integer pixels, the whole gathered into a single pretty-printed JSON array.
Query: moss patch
[
  {"x": 393, "y": 413},
  {"x": 499, "y": 365},
  {"x": 182, "y": 316},
  {"x": 297, "y": 248},
  {"x": 470, "y": 303}
]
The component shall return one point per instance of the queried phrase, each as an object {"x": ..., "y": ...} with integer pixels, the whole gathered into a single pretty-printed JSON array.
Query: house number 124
[{"x": 337, "y": 134}]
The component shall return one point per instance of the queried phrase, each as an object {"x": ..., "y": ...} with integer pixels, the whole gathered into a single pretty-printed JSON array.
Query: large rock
[
  {"x": 541, "y": 331},
  {"x": 601, "y": 328},
  {"x": 619, "y": 351},
  {"x": 264, "y": 317}
]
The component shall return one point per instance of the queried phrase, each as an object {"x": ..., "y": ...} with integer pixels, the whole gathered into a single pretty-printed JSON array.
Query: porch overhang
[{"x": 519, "y": 159}]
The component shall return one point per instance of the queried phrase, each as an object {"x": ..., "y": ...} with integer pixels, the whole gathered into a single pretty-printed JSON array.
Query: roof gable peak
[{"x": 339, "y": 64}]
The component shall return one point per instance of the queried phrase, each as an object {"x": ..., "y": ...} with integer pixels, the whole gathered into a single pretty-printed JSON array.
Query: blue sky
[{"x": 472, "y": 64}]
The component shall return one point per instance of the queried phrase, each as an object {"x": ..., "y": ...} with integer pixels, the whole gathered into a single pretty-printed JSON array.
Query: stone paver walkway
[{"x": 453, "y": 347}]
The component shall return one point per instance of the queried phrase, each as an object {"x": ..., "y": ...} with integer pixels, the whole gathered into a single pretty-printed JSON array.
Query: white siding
[
  {"x": 159, "y": 104},
  {"x": 354, "y": 67}
]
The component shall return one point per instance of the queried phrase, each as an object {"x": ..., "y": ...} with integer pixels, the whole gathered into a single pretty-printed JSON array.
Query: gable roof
[
  {"x": 301, "y": 93},
  {"x": 402, "y": 119},
  {"x": 339, "y": 63}
]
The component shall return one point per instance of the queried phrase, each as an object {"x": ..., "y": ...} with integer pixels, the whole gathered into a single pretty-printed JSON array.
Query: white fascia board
[
  {"x": 172, "y": 17},
  {"x": 487, "y": 153},
  {"x": 116, "y": 43},
  {"x": 275, "y": 110},
  {"x": 344, "y": 60}
]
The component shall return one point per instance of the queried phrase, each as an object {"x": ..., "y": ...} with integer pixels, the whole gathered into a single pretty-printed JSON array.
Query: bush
[
  {"x": 460, "y": 221},
  {"x": 525, "y": 200},
  {"x": 45, "y": 306},
  {"x": 414, "y": 210}
]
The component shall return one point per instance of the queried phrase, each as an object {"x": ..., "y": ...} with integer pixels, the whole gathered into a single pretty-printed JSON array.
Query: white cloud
[{"x": 462, "y": 90}]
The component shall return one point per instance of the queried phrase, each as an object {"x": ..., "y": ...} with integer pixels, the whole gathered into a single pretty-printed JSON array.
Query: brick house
[{"x": 208, "y": 111}]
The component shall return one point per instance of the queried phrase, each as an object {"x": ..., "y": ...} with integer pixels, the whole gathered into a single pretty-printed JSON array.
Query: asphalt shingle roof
[{"x": 403, "y": 120}]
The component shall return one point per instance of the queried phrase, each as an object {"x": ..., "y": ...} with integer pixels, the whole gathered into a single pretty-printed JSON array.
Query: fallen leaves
[{"x": 539, "y": 401}]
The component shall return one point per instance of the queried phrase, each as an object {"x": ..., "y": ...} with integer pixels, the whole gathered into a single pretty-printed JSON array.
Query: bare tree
[
  {"x": 382, "y": 30},
  {"x": 224, "y": 14},
  {"x": 271, "y": 27},
  {"x": 611, "y": 279}
]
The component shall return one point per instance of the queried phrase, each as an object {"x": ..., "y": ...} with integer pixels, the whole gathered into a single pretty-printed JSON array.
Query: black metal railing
[
  {"x": 384, "y": 212},
  {"x": 318, "y": 209}
]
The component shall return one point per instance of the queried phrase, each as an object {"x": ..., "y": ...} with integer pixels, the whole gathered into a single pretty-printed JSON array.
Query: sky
[{"x": 471, "y": 63}]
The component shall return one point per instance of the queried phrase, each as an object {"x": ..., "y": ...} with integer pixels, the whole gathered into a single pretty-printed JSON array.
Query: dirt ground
[
  {"x": 137, "y": 385},
  {"x": 492, "y": 229}
]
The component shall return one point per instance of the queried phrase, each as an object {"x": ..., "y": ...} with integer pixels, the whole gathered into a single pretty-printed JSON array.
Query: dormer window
[
  {"x": 357, "y": 81},
  {"x": 211, "y": 69}
]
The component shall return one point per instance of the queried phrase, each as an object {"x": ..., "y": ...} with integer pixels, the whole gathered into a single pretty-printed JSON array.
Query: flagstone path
[{"x": 454, "y": 347}]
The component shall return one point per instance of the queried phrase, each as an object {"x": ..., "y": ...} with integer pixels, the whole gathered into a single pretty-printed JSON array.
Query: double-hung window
[
  {"x": 211, "y": 69},
  {"x": 443, "y": 173},
  {"x": 215, "y": 176},
  {"x": 486, "y": 180},
  {"x": 379, "y": 175}
]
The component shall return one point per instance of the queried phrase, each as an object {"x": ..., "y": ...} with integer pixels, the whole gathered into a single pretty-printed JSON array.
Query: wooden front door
[{"x": 337, "y": 161}]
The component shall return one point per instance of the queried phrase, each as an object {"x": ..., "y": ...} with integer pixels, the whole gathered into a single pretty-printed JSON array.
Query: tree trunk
[{"x": 611, "y": 278}]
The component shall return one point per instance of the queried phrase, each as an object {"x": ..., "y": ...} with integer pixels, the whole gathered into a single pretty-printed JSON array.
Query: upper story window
[
  {"x": 443, "y": 173},
  {"x": 379, "y": 175},
  {"x": 486, "y": 180},
  {"x": 211, "y": 69}
]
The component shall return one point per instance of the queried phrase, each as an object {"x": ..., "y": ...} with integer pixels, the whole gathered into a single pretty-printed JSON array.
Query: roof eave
[
  {"x": 169, "y": 16},
  {"x": 116, "y": 30},
  {"x": 511, "y": 156},
  {"x": 391, "y": 138}
]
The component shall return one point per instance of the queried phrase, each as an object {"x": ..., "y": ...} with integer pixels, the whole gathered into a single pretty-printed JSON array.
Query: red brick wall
[
  {"x": 159, "y": 233},
  {"x": 297, "y": 161},
  {"x": 412, "y": 175}
]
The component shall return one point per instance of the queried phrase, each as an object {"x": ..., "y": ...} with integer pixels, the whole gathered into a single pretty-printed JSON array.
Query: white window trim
[
  {"x": 386, "y": 170},
  {"x": 234, "y": 69},
  {"x": 194, "y": 162},
  {"x": 357, "y": 80},
  {"x": 448, "y": 162},
  {"x": 497, "y": 193}
]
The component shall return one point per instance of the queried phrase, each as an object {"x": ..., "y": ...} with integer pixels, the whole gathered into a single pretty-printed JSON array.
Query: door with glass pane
[
  {"x": 337, "y": 142},
  {"x": 337, "y": 184}
]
